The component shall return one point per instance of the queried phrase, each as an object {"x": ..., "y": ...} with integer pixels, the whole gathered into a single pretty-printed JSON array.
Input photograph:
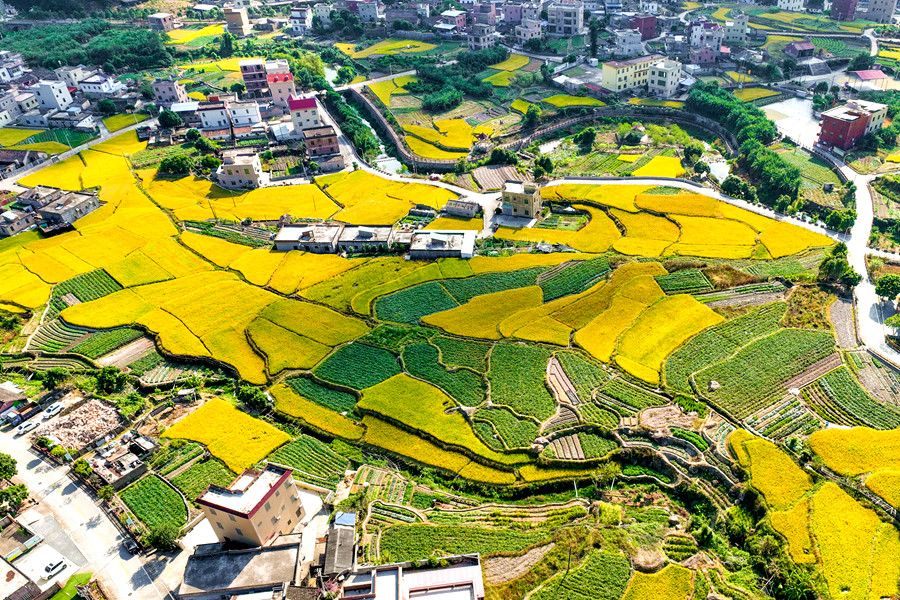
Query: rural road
[{"x": 85, "y": 523}]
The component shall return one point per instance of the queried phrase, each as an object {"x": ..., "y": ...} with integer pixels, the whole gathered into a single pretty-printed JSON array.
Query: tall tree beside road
[{"x": 7, "y": 466}]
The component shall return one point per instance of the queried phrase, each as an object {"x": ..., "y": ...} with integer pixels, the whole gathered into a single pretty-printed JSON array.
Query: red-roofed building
[
  {"x": 843, "y": 126},
  {"x": 281, "y": 87},
  {"x": 800, "y": 49},
  {"x": 304, "y": 113}
]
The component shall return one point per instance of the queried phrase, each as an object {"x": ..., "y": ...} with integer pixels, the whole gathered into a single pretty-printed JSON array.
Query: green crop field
[
  {"x": 414, "y": 542},
  {"x": 463, "y": 353},
  {"x": 312, "y": 460},
  {"x": 421, "y": 360},
  {"x": 585, "y": 375},
  {"x": 514, "y": 432},
  {"x": 336, "y": 400},
  {"x": 201, "y": 475},
  {"x": 104, "y": 342},
  {"x": 517, "y": 379},
  {"x": 155, "y": 503},
  {"x": 574, "y": 279},
  {"x": 689, "y": 281},
  {"x": 411, "y": 304},
  {"x": 602, "y": 576},
  {"x": 358, "y": 366}
]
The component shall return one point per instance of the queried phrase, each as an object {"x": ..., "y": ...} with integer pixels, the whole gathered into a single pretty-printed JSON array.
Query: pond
[
  {"x": 383, "y": 161},
  {"x": 720, "y": 169}
]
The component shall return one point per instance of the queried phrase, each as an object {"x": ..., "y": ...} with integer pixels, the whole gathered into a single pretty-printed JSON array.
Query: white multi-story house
[
  {"x": 304, "y": 113},
  {"x": 881, "y": 11},
  {"x": 281, "y": 87},
  {"x": 73, "y": 75},
  {"x": 707, "y": 34},
  {"x": 565, "y": 18},
  {"x": 240, "y": 169},
  {"x": 12, "y": 66},
  {"x": 481, "y": 37},
  {"x": 663, "y": 78},
  {"x": 214, "y": 116},
  {"x": 101, "y": 85},
  {"x": 244, "y": 113},
  {"x": 301, "y": 21},
  {"x": 52, "y": 95},
  {"x": 323, "y": 11},
  {"x": 628, "y": 43},
  {"x": 737, "y": 27},
  {"x": 791, "y": 5},
  {"x": 370, "y": 12},
  {"x": 529, "y": 29},
  {"x": 649, "y": 7},
  {"x": 531, "y": 11}
]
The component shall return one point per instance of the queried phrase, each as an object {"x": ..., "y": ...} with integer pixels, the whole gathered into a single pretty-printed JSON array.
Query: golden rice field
[
  {"x": 651, "y": 102},
  {"x": 288, "y": 402},
  {"x": 225, "y": 64},
  {"x": 565, "y": 101},
  {"x": 232, "y": 436},
  {"x": 674, "y": 582},
  {"x": 756, "y": 93},
  {"x": 383, "y": 90},
  {"x": 793, "y": 524},
  {"x": 429, "y": 150},
  {"x": 117, "y": 122},
  {"x": 520, "y": 105},
  {"x": 501, "y": 78},
  {"x": 11, "y": 136},
  {"x": 852, "y": 452},
  {"x": 629, "y": 157},
  {"x": 389, "y": 46},
  {"x": 772, "y": 472},
  {"x": 887, "y": 485},
  {"x": 660, "y": 166},
  {"x": 183, "y": 36},
  {"x": 513, "y": 63},
  {"x": 481, "y": 316}
]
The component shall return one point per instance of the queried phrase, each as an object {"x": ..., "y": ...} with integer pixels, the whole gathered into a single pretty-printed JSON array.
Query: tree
[
  {"x": 192, "y": 135},
  {"x": 14, "y": 496},
  {"x": 545, "y": 163},
  {"x": 206, "y": 145},
  {"x": 461, "y": 166},
  {"x": 834, "y": 267},
  {"x": 169, "y": 119},
  {"x": 861, "y": 62},
  {"x": 210, "y": 161},
  {"x": 226, "y": 45},
  {"x": 162, "y": 537},
  {"x": 178, "y": 164},
  {"x": 253, "y": 397},
  {"x": 54, "y": 377},
  {"x": 585, "y": 138},
  {"x": 502, "y": 156},
  {"x": 238, "y": 88},
  {"x": 534, "y": 45},
  {"x": 701, "y": 167},
  {"x": 532, "y": 116},
  {"x": 888, "y": 286},
  {"x": 107, "y": 106},
  {"x": 401, "y": 25},
  {"x": 7, "y": 466},
  {"x": 106, "y": 493},
  {"x": 594, "y": 27},
  {"x": 110, "y": 380},
  {"x": 693, "y": 151},
  {"x": 345, "y": 75},
  {"x": 821, "y": 87},
  {"x": 732, "y": 186},
  {"x": 537, "y": 172},
  {"x": 604, "y": 474},
  {"x": 147, "y": 90}
]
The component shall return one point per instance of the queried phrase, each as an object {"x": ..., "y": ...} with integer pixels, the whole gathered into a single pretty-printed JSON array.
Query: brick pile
[{"x": 88, "y": 422}]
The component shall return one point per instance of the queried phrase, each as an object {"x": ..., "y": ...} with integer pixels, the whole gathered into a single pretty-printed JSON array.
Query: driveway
[{"x": 79, "y": 525}]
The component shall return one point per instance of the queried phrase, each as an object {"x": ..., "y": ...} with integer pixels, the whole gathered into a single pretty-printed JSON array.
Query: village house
[
  {"x": 321, "y": 141},
  {"x": 429, "y": 245},
  {"x": 624, "y": 75},
  {"x": 240, "y": 169},
  {"x": 169, "y": 91},
  {"x": 162, "y": 21},
  {"x": 521, "y": 199},
  {"x": 320, "y": 239},
  {"x": 359, "y": 239},
  {"x": 304, "y": 113}
]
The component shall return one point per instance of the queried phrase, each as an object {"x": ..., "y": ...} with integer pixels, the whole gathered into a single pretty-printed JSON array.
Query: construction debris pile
[{"x": 90, "y": 421}]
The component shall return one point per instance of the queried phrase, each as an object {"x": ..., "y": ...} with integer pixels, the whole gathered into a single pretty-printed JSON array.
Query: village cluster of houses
[{"x": 50, "y": 209}]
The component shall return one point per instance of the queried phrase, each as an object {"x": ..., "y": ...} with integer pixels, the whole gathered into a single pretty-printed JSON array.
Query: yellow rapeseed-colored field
[
  {"x": 513, "y": 63},
  {"x": 389, "y": 46},
  {"x": 232, "y": 436},
  {"x": 501, "y": 79},
  {"x": 852, "y": 452},
  {"x": 371, "y": 200},
  {"x": 117, "y": 122},
  {"x": 428, "y": 150},
  {"x": 214, "y": 249},
  {"x": 660, "y": 166},
  {"x": 672, "y": 583},
  {"x": 11, "y": 136},
  {"x": 784, "y": 239},
  {"x": 520, "y": 105},
  {"x": 887, "y": 485},
  {"x": 751, "y": 94},
  {"x": 793, "y": 524},
  {"x": 649, "y": 102},
  {"x": 599, "y": 337},
  {"x": 481, "y": 316},
  {"x": 285, "y": 349},
  {"x": 565, "y": 101},
  {"x": 714, "y": 232},
  {"x": 183, "y": 36},
  {"x": 696, "y": 205},
  {"x": 287, "y": 401},
  {"x": 775, "y": 475},
  {"x": 660, "y": 330},
  {"x": 457, "y": 223}
]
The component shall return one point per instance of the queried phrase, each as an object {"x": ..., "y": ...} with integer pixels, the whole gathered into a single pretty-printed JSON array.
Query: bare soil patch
[
  {"x": 506, "y": 568},
  {"x": 127, "y": 354}
]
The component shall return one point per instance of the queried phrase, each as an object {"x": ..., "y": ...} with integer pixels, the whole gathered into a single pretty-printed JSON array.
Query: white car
[
  {"x": 27, "y": 426},
  {"x": 53, "y": 410},
  {"x": 54, "y": 568}
]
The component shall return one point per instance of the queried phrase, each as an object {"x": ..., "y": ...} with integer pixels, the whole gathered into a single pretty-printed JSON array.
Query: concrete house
[
  {"x": 240, "y": 169},
  {"x": 52, "y": 95},
  {"x": 663, "y": 78},
  {"x": 521, "y": 199},
  {"x": 169, "y": 91},
  {"x": 481, "y": 37},
  {"x": 304, "y": 113},
  {"x": 300, "y": 22},
  {"x": 162, "y": 21},
  {"x": 320, "y": 239},
  {"x": 238, "y": 23},
  {"x": 321, "y": 141},
  {"x": 565, "y": 18},
  {"x": 256, "y": 508}
]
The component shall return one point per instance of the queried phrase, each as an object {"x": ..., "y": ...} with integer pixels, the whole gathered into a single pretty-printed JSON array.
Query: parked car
[
  {"x": 54, "y": 569},
  {"x": 131, "y": 546},
  {"x": 26, "y": 426},
  {"x": 53, "y": 410}
]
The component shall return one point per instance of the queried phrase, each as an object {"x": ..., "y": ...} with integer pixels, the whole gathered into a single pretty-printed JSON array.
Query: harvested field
[
  {"x": 815, "y": 371},
  {"x": 492, "y": 177},
  {"x": 83, "y": 425},
  {"x": 501, "y": 569},
  {"x": 841, "y": 313},
  {"x": 666, "y": 416},
  {"x": 127, "y": 354}
]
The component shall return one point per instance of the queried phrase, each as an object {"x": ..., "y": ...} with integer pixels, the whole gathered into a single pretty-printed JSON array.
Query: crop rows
[
  {"x": 201, "y": 475},
  {"x": 585, "y": 375},
  {"x": 146, "y": 363},
  {"x": 464, "y": 290},
  {"x": 411, "y": 304},
  {"x": 358, "y": 366},
  {"x": 602, "y": 576},
  {"x": 394, "y": 514},
  {"x": 155, "y": 503},
  {"x": 463, "y": 353},
  {"x": 720, "y": 342},
  {"x": 679, "y": 548},
  {"x": 757, "y": 371},
  {"x": 70, "y": 364},
  {"x": 89, "y": 286},
  {"x": 595, "y": 446},
  {"x": 486, "y": 434},
  {"x": 846, "y": 393},
  {"x": 573, "y": 279},
  {"x": 690, "y": 436},
  {"x": 104, "y": 342},
  {"x": 822, "y": 405},
  {"x": 591, "y": 413},
  {"x": 689, "y": 281},
  {"x": 415, "y": 542},
  {"x": 335, "y": 400},
  {"x": 421, "y": 360},
  {"x": 170, "y": 458},
  {"x": 56, "y": 336},
  {"x": 308, "y": 456},
  {"x": 630, "y": 395},
  {"x": 514, "y": 432},
  {"x": 517, "y": 379}
]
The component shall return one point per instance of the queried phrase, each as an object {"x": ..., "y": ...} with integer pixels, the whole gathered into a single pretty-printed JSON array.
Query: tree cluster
[
  {"x": 773, "y": 176},
  {"x": 352, "y": 124},
  {"x": 836, "y": 269},
  {"x": 443, "y": 88}
]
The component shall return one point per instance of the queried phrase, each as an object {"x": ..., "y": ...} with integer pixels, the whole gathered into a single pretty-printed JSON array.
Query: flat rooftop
[
  {"x": 316, "y": 233},
  {"x": 248, "y": 491},
  {"x": 208, "y": 572},
  {"x": 634, "y": 61}
]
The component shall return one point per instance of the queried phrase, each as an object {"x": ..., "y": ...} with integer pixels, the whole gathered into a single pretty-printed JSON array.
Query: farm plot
[
  {"x": 602, "y": 576},
  {"x": 419, "y": 541},
  {"x": 517, "y": 379},
  {"x": 104, "y": 342},
  {"x": 358, "y": 366},
  {"x": 411, "y": 304},
  {"x": 326, "y": 397},
  {"x": 56, "y": 336},
  {"x": 312, "y": 461},
  {"x": 720, "y": 342},
  {"x": 482, "y": 316},
  {"x": 689, "y": 281},
  {"x": 852, "y": 452},
  {"x": 672, "y": 583},
  {"x": 387, "y": 47},
  {"x": 174, "y": 455},
  {"x": 756, "y": 372},
  {"x": 462, "y": 353},
  {"x": 421, "y": 361},
  {"x": 290, "y": 403},
  {"x": 233, "y": 436},
  {"x": 566, "y": 101},
  {"x": 572, "y": 278},
  {"x": 201, "y": 475},
  {"x": 514, "y": 432},
  {"x": 155, "y": 503},
  {"x": 629, "y": 396},
  {"x": 847, "y": 397},
  {"x": 772, "y": 472},
  {"x": 749, "y": 94},
  {"x": 584, "y": 375}
]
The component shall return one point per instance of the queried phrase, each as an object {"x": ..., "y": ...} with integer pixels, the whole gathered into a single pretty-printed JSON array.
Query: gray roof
[
  {"x": 233, "y": 570},
  {"x": 339, "y": 550}
]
